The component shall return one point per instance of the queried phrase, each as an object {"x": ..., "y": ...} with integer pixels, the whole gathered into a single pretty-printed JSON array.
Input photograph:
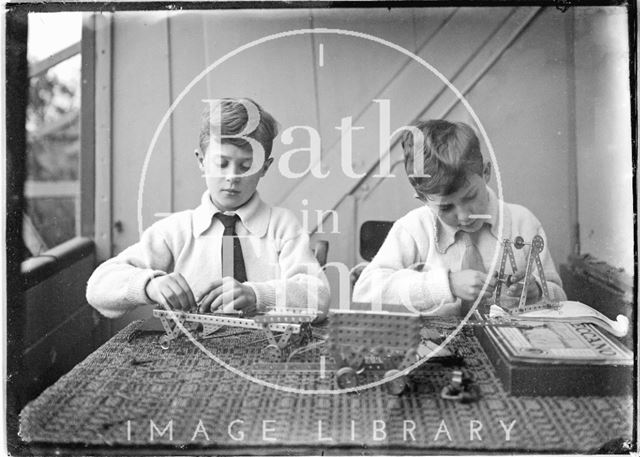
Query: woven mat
[{"x": 130, "y": 390}]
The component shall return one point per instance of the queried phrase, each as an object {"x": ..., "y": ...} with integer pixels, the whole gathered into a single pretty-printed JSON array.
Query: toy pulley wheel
[
  {"x": 272, "y": 354},
  {"x": 518, "y": 242},
  {"x": 346, "y": 377},
  {"x": 395, "y": 386},
  {"x": 537, "y": 243}
]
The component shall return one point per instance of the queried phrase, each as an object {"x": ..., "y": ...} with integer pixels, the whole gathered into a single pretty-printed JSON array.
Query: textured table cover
[{"x": 130, "y": 392}]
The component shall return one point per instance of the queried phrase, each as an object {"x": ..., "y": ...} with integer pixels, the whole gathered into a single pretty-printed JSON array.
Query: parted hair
[
  {"x": 229, "y": 117},
  {"x": 451, "y": 152}
]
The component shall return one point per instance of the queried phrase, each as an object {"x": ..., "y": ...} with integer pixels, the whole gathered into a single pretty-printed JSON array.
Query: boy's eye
[
  {"x": 245, "y": 166},
  {"x": 446, "y": 208},
  {"x": 221, "y": 163},
  {"x": 470, "y": 197}
]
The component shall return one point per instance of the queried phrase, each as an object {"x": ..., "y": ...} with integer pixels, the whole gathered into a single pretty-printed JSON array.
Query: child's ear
[
  {"x": 265, "y": 167},
  {"x": 486, "y": 172},
  {"x": 200, "y": 158}
]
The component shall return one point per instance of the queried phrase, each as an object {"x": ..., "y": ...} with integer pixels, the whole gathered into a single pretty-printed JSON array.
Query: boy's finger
[
  {"x": 213, "y": 285},
  {"x": 226, "y": 297},
  {"x": 178, "y": 296},
  {"x": 240, "y": 303},
  {"x": 244, "y": 304},
  {"x": 205, "y": 303},
  {"x": 215, "y": 293},
  {"x": 184, "y": 285},
  {"x": 170, "y": 298},
  {"x": 163, "y": 301}
]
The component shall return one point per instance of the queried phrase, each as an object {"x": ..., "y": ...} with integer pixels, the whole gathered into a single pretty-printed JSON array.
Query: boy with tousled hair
[
  {"x": 435, "y": 258},
  {"x": 183, "y": 261}
]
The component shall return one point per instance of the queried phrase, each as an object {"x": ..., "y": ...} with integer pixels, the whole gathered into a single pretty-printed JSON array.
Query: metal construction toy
[
  {"x": 378, "y": 340},
  {"x": 293, "y": 325},
  {"x": 546, "y": 309},
  {"x": 537, "y": 245},
  {"x": 461, "y": 388}
]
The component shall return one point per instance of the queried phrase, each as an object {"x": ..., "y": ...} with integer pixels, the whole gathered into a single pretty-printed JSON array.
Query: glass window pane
[
  {"x": 53, "y": 135},
  {"x": 52, "y": 32}
]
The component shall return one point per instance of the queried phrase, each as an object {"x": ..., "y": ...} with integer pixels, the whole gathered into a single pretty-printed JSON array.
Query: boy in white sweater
[
  {"x": 232, "y": 252},
  {"x": 436, "y": 258}
]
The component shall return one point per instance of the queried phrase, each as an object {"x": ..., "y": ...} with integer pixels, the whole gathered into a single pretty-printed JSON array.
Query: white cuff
[
  {"x": 265, "y": 295},
  {"x": 434, "y": 289},
  {"x": 137, "y": 293}
]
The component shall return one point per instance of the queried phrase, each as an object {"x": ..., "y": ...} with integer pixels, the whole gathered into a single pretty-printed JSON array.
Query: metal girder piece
[
  {"x": 292, "y": 316},
  {"x": 210, "y": 329},
  {"x": 544, "y": 304},
  {"x": 172, "y": 331},
  {"x": 527, "y": 278},
  {"x": 269, "y": 335},
  {"x": 212, "y": 319},
  {"x": 284, "y": 339},
  {"x": 507, "y": 251}
]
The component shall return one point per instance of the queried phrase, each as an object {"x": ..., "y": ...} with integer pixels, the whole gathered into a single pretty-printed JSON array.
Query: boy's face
[
  {"x": 222, "y": 166},
  {"x": 458, "y": 209}
]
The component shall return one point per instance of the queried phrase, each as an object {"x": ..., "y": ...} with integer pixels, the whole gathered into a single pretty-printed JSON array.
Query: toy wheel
[
  {"x": 271, "y": 354},
  {"x": 518, "y": 242},
  {"x": 346, "y": 377},
  {"x": 395, "y": 386},
  {"x": 538, "y": 243}
]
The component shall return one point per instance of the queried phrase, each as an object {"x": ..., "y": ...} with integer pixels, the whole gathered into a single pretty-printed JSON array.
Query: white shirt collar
[{"x": 254, "y": 215}]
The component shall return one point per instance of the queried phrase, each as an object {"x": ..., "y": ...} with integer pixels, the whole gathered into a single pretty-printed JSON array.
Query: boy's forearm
[
  {"x": 422, "y": 290},
  {"x": 119, "y": 284},
  {"x": 115, "y": 288},
  {"x": 303, "y": 292}
]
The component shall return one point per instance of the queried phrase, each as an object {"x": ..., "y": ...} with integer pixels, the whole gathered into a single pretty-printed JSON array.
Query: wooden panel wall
[
  {"x": 141, "y": 97},
  {"x": 515, "y": 65},
  {"x": 603, "y": 135}
]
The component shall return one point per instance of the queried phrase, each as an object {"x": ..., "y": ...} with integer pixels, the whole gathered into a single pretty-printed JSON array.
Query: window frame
[{"x": 93, "y": 204}]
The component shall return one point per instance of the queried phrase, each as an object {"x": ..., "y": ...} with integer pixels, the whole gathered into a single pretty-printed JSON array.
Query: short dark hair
[
  {"x": 451, "y": 151},
  {"x": 233, "y": 120}
]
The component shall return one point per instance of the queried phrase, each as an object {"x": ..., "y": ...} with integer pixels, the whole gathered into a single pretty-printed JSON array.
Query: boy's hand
[
  {"x": 467, "y": 284},
  {"x": 171, "y": 291},
  {"x": 227, "y": 292},
  {"x": 533, "y": 290}
]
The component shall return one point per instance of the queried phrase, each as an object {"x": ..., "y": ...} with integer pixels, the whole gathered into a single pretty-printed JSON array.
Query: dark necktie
[
  {"x": 229, "y": 222},
  {"x": 471, "y": 260}
]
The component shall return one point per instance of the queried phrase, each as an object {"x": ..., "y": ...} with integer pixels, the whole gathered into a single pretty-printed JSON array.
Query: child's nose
[
  {"x": 463, "y": 215},
  {"x": 232, "y": 174}
]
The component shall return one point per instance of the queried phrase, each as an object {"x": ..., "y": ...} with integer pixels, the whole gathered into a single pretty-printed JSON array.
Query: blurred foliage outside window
[{"x": 53, "y": 152}]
